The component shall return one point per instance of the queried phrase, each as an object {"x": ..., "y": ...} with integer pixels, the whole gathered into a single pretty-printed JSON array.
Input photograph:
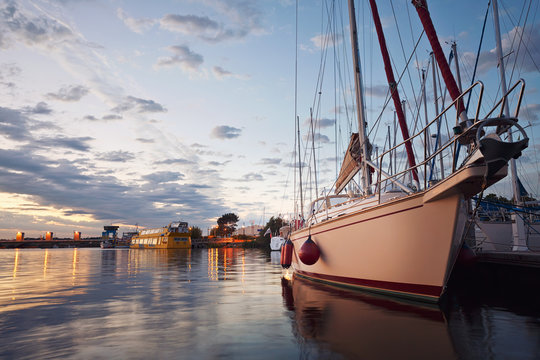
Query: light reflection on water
[{"x": 226, "y": 303}]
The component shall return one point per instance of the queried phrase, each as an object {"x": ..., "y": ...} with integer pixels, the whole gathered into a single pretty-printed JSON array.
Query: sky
[{"x": 139, "y": 113}]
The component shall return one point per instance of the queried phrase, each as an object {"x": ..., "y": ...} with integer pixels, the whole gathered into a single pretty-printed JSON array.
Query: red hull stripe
[
  {"x": 429, "y": 291},
  {"x": 360, "y": 221}
]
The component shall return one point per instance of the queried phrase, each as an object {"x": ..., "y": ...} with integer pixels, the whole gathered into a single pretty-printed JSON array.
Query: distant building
[{"x": 252, "y": 230}]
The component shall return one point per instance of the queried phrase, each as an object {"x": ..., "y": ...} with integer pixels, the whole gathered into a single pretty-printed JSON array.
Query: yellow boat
[{"x": 173, "y": 236}]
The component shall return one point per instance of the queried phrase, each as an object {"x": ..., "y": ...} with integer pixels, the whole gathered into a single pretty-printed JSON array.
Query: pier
[
  {"x": 47, "y": 244},
  {"x": 515, "y": 258}
]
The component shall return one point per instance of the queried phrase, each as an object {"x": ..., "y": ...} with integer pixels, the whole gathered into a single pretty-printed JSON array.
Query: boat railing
[
  {"x": 450, "y": 151},
  {"x": 446, "y": 151},
  {"x": 449, "y": 155}
]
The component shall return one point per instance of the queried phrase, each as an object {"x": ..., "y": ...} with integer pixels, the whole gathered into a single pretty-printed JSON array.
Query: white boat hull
[{"x": 276, "y": 242}]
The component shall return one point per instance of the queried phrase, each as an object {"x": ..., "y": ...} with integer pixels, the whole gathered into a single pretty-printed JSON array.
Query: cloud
[
  {"x": 380, "y": 91},
  {"x": 199, "y": 146},
  {"x": 7, "y": 72},
  {"x": 217, "y": 163},
  {"x": 252, "y": 177},
  {"x": 174, "y": 161},
  {"x": 530, "y": 112},
  {"x": 40, "y": 108},
  {"x": 109, "y": 117},
  {"x": 14, "y": 125},
  {"x": 527, "y": 57},
  {"x": 30, "y": 30},
  {"x": 182, "y": 57},
  {"x": 69, "y": 93},
  {"x": 239, "y": 19},
  {"x": 318, "y": 138},
  {"x": 323, "y": 41},
  {"x": 270, "y": 161},
  {"x": 221, "y": 74},
  {"x": 320, "y": 123},
  {"x": 116, "y": 156},
  {"x": 145, "y": 141},
  {"x": 225, "y": 132},
  {"x": 66, "y": 186},
  {"x": 139, "y": 105},
  {"x": 163, "y": 177},
  {"x": 136, "y": 25},
  {"x": 75, "y": 143},
  {"x": 189, "y": 24}
]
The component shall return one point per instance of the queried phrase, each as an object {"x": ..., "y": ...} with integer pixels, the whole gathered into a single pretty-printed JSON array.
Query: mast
[
  {"x": 518, "y": 227},
  {"x": 458, "y": 75},
  {"x": 424, "y": 99},
  {"x": 300, "y": 170},
  {"x": 365, "y": 175},
  {"x": 436, "y": 103},
  {"x": 394, "y": 90},
  {"x": 423, "y": 14},
  {"x": 313, "y": 150}
]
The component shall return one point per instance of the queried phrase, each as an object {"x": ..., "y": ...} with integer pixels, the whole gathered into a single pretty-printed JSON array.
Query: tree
[
  {"x": 274, "y": 224},
  {"x": 227, "y": 224},
  {"x": 195, "y": 232}
]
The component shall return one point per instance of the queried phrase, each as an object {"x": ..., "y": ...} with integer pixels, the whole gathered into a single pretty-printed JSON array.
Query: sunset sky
[{"x": 146, "y": 112}]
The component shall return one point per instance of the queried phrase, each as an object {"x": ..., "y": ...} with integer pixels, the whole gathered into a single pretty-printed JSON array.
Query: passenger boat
[
  {"x": 390, "y": 236},
  {"x": 174, "y": 236}
]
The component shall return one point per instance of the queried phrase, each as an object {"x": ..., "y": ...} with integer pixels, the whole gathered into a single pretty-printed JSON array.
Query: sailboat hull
[{"x": 406, "y": 247}]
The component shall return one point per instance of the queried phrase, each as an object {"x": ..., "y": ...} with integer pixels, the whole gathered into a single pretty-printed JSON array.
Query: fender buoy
[
  {"x": 309, "y": 252},
  {"x": 286, "y": 254}
]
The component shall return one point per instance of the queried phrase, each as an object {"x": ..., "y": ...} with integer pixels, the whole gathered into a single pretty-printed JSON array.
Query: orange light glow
[
  {"x": 76, "y": 235},
  {"x": 20, "y": 236}
]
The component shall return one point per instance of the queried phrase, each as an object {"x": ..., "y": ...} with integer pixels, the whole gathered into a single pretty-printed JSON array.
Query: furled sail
[{"x": 351, "y": 163}]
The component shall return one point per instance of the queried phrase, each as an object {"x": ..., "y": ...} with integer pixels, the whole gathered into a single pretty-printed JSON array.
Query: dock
[
  {"x": 514, "y": 258},
  {"x": 47, "y": 244}
]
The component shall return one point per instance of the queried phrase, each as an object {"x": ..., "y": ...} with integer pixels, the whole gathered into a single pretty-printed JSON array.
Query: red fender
[
  {"x": 286, "y": 254},
  {"x": 309, "y": 252}
]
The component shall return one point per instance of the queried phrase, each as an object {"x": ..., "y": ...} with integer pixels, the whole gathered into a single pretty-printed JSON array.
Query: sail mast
[
  {"x": 518, "y": 227},
  {"x": 423, "y": 14},
  {"x": 394, "y": 90},
  {"x": 365, "y": 175}
]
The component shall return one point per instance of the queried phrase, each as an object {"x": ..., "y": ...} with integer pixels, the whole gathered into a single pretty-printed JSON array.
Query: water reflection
[
  {"x": 230, "y": 303},
  {"x": 94, "y": 303},
  {"x": 471, "y": 324},
  {"x": 356, "y": 325}
]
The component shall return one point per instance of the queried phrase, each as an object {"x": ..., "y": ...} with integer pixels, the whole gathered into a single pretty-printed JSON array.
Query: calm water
[{"x": 231, "y": 304}]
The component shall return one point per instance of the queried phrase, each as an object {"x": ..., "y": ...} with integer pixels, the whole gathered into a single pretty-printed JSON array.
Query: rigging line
[
  {"x": 478, "y": 54},
  {"x": 404, "y": 57},
  {"x": 334, "y": 30},
  {"x": 521, "y": 31},
  {"x": 398, "y": 81},
  {"x": 412, "y": 37},
  {"x": 296, "y": 104},
  {"x": 515, "y": 34}
]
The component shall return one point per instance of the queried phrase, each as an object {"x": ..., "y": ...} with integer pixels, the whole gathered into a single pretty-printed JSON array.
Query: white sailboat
[{"x": 404, "y": 241}]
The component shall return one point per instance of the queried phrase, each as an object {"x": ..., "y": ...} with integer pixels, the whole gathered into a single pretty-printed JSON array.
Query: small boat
[
  {"x": 106, "y": 244},
  {"x": 276, "y": 242},
  {"x": 173, "y": 236}
]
